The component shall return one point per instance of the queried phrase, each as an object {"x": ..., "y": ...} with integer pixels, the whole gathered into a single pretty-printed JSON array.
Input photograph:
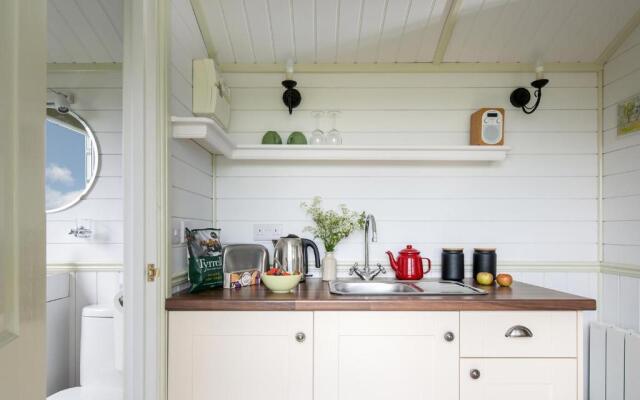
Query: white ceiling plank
[
  {"x": 614, "y": 23},
  {"x": 617, "y": 43},
  {"x": 103, "y": 28},
  {"x": 485, "y": 23},
  {"x": 56, "y": 53},
  {"x": 186, "y": 14},
  {"x": 281, "y": 18},
  {"x": 217, "y": 27},
  {"x": 393, "y": 30},
  {"x": 373, "y": 14},
  {"x": 433, "y": 31},
  {"x": 326, "y": 31},
  {"x": 518, "y": 46},
  {"x": 504, "y": 28},
  {"x": 260, "y": 29},
  {"x": 115, "y": 10},
  {"x": 78, "y": 23},
  {"x": 304, "y": 30},
  {"x": 233, "y": 11},
  {"x": 591, "y": 45},
  {"x": 414, "y": 32},
  {"x": 458, "y": 27},
  {"x": 550, "y": 31},
  {"x": 74, "y": 47},
  {"x": 196, "y": 13},
  {"x": 349, "y": 30},
  {"x": 631, "y": 41},
  {"x": 189, "y": 35}
]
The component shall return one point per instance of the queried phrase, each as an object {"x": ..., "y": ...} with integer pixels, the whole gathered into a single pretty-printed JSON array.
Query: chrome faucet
[{"x": 366, "y": 273}]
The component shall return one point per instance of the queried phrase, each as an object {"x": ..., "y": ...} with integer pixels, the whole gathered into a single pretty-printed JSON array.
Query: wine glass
[
  {"x": 317, "y": 136},
  {"x": 333, "y": 136}
]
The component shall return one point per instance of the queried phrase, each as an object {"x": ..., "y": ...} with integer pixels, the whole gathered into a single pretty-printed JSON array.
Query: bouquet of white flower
[{"x": 332, "y": 226}]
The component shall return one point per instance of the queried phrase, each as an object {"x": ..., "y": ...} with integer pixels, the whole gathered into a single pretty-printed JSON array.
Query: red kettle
[{"x": 409, "y": 264}]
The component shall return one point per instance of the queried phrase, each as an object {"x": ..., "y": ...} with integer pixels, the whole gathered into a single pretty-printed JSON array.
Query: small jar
[
  {"x": 484, "y": 260},
  {"x": 452, "y": 264}
]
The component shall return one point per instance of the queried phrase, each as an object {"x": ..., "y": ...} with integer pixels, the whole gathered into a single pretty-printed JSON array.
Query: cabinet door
[
  {"x": 385, "y": 355},
  {"x": 240, "y": 355},
  {"x": 522, "y": 379}
]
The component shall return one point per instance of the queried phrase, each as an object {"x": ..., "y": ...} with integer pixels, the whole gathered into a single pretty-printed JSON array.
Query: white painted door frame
[
  {"x": 145, "y": 159},
  {"x": 23, "y": 81}
]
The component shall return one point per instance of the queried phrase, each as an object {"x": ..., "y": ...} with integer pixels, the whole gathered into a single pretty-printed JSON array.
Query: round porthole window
[{"x": 71, "y": 159}]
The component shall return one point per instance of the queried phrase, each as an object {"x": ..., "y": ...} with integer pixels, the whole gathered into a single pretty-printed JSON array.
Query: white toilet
[{"x": 100, "y": 378}]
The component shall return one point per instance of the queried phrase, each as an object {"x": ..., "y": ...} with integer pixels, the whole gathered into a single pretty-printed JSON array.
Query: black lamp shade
[
  {"x": 520, "y": 97},
  {"x": 291, "y": 96}
]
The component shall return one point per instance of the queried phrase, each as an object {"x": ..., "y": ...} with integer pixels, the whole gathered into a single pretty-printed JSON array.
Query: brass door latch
[{"x": 152, "y": 272}]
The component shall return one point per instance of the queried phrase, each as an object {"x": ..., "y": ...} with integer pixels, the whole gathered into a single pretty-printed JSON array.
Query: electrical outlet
[{"x": 266, "y": 232}]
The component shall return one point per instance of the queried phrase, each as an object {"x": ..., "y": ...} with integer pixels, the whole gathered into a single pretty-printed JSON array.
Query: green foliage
[{"x": 332, "y": 226}]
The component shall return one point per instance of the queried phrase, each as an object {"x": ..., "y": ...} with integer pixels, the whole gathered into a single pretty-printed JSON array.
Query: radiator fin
[
  {"x": 597, "y": 361},
  {"x": 615, "y": 363},
  {"x": 632, "y": 367}
]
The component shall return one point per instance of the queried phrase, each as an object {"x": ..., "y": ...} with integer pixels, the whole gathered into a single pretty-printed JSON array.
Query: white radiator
[{"x": 614, "y": 363}]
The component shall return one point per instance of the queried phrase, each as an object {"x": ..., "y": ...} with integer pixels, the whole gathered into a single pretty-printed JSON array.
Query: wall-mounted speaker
[{"x": 487, "y": 127}]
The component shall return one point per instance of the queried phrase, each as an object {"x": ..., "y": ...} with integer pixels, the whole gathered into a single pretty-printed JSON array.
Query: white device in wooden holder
[
  {"x": 487, "y": 127},
  {"x": 210, "y": 97}
]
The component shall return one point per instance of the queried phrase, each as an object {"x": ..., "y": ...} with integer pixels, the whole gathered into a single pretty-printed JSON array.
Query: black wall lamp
[
  {"x": 520, "y": 97},
  {"x": 291, "y": 96}
]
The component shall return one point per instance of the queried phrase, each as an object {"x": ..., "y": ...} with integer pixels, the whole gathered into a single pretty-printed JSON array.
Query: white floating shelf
[{"x": 210, "y": 135}]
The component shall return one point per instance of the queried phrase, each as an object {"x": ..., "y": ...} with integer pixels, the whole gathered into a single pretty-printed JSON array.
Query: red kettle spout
[{"x": 392, "y": 261}]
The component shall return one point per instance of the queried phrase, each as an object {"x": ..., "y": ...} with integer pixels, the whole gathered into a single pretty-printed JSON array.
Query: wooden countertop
[{"x": 313, "y": 295}]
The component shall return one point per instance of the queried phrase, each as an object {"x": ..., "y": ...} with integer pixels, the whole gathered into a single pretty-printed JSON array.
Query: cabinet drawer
[
  {"x": 484, "y": 334},
  {"x": 521, "y": 379}
]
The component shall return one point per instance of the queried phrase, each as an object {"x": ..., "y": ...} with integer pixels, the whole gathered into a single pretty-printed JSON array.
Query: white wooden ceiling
[
  {"x": 528, "y": 30},
  {"x": 324, "y": 31},
  {"x": 387, "y": 31},
  {"x": 84, "y": 31}
]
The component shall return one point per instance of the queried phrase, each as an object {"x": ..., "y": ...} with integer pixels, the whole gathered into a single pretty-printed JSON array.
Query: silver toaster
[{"x": 241, "y": 257}]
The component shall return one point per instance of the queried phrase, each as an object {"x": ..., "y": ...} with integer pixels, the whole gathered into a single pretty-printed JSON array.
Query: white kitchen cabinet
[
  {"x": 240, "y": 355},
  {"x": 374, "y": 355},
  {"x": 386, "y": 355},
  {"x": 518, "y": 378}
]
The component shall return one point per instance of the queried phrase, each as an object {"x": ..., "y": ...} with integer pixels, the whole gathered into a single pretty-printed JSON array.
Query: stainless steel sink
[{"x": 403, "y": 288}]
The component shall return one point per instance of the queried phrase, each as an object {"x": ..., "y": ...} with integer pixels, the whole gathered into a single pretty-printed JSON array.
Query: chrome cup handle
[{"x": 518, "y": 331}]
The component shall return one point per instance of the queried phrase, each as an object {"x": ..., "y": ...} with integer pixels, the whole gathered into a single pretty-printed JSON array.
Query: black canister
[
  {"x": 484, "y": 260},
  {"x": 452, "y": 264}
]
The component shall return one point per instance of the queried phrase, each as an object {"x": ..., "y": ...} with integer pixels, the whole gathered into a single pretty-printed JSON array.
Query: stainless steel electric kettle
[{"x": 290, "y": 254}]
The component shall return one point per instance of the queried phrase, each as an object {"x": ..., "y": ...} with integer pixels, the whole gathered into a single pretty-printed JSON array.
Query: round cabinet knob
[
  {"x": 449, "y": 336},
  {"x": 300, "y": 337},
  {"x": 475, "y": 374}
]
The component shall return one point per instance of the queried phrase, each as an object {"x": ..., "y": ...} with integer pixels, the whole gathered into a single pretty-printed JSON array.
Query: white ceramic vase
[{"x": 329, "y": 267}]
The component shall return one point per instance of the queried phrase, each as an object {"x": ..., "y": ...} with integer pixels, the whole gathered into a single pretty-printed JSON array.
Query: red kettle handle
[{"x": 428, "y": 263}]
